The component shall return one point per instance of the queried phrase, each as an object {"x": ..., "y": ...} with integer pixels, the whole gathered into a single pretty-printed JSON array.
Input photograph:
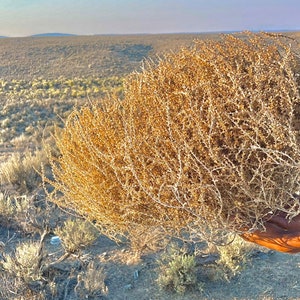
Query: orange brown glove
[{"x": 280, "y": 234}]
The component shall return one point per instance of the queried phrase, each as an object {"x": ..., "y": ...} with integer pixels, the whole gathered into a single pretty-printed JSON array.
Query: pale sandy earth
[{"x": 267, "y": 274}]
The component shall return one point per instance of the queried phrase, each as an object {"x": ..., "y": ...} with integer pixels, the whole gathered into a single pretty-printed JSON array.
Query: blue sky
[{"x": 26, "y": 17}]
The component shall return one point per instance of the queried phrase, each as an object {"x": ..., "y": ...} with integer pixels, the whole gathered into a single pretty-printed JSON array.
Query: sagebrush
[
  {"x": 76, "y": 234},
  {"x": 21, "y": 170},
  {"x": 178, "y": 274}
]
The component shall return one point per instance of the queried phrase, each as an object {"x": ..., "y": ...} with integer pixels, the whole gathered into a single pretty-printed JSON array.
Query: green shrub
[
  {"x": 179, "y": 273},
  {"x": 76, "y": 235},
  {"x": 232, "y": 258}
]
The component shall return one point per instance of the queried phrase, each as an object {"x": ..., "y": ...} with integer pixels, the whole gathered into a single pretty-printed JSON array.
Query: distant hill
[
  {"x": 52, "y": 34},
  {"x": 2, "y": 36}
]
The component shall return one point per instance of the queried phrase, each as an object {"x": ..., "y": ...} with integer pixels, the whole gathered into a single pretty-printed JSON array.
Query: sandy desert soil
[{"x": 266, "y": 275}]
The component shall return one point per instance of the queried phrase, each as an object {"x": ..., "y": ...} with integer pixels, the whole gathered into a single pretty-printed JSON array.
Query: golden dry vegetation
[{"x": 204, "y": 140}]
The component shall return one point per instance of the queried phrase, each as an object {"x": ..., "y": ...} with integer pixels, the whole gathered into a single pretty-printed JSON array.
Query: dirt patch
[{"x": 267, "y": 274}]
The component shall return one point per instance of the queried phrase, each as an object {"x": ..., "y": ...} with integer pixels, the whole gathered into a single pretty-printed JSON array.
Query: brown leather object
[{"x": 280, "y": 234}]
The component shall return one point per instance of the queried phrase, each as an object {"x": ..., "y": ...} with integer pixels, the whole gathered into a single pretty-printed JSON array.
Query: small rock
[
  {"x": 136, "y": 274},
  {"x": 104, "y": 255},
  {"x": 128, "y": 287},
  {"x": 55, "y": 240}
]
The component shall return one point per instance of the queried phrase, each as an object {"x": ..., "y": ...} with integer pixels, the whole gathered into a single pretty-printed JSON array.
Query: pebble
[
  {"x": 128, "y": 287},
  {"x": 55, "y": 240},
  {"x": 136, "y": 274}
]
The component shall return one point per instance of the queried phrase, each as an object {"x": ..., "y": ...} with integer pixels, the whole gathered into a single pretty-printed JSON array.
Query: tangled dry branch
[{"x": 203, "y": 141}]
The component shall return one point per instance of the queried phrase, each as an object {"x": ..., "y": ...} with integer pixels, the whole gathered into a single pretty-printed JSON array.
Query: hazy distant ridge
[{"x": 52, "y": 34}]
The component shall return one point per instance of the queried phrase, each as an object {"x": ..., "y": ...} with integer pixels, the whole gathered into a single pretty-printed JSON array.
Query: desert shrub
[
  {"x": 177, "y": 273},
  {"x": 14, "y": 208},
  {"x": 21, "y": 170},
  {"x": 25, "y": 263},
  {"x": 12, "y": 288},
  {"x": 59, "y": 88},
  {"x": 202, "y": 141},
  {"x": 103, "y": 167},
  {"x": 76, "y": 235},
  {"x": 7, "y": 207},
  {"x": 91, "y": 282},
  {"x": 31, "y": 214},
  {"x": 232, "y": 258},
  {"x": 17, "y": 210}
]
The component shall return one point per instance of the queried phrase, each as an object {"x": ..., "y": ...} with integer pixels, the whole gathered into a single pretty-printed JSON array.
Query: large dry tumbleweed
[{"x": 202, "y": 141}]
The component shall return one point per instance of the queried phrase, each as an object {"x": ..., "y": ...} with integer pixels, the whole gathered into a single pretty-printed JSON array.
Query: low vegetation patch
[
  {"x": 76, "y": 234},
  {"x": 179, "y": 274},
  {"x": 61, "y": 88},
  {"x": 233, "y": 257},
  {"x": 22, "y": 170}
]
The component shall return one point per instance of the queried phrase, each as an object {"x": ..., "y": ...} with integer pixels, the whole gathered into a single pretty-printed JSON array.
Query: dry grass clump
[
  {"x": 7, "y": 207},
  {"x": 12, "y": 288},
  {"x": 31, "y": 214},
  {"x": 32, "y": 272},
  {"x": 91, "y": 282},
  {"x": 14, "y": 209},
  {"x": 202, "y": 141},
  {"x": 26, "y": 262},
  {"x": 21, "y": 169}
]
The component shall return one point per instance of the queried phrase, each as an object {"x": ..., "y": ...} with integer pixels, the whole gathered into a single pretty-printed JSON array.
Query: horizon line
[{"x": 42, "y": 34}]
